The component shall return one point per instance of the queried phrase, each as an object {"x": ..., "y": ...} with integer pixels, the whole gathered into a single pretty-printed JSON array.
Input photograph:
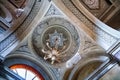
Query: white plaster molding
[{"x": 74, "y": 60}]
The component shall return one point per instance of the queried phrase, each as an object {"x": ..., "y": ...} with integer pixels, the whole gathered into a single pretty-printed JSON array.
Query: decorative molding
[
  {"x": 17, "y": 3},
  {"x": 101, "y": 34},
  {"x": 92, "y": 4},
  {"x": 88, "y": 45},
  {"x": 53, "y": 10},
  {"x": 73, "y": 61},
  {"x": 18, "y": 18},
  {"x": 4, "y": 44},
  {"x": 23, "y": 48},
  {"x": 96, "y": 7},
  {"x": 12, "y": 38},
  {"x": 40, "y": 34}
]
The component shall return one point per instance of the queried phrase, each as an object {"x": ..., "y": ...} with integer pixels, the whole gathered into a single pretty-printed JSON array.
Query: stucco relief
[
  {"x": 92, "y": 4},
  {"x": 55, "y": 44},
  {"x": 13, "y": 37},
  {"x": 96, "y": 7},
  {"x": 101, "y": 34},
  {"x": 53, "y": 10},
  {"x": 17, "y": 3},
  {"x": 56, "y": 40}
]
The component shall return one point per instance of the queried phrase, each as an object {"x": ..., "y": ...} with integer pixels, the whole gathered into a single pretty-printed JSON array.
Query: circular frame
[
  {"x": 28, "y": 60},
  {"x": 26, "y": 70},
  {"x": 47, "y": 24},
  {"x": 88, "y": 58}
]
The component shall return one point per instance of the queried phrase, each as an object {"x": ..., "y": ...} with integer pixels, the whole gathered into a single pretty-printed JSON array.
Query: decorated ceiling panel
[
  {"x": 55, "y": 39},
  {"x": 54, "y": 44}
]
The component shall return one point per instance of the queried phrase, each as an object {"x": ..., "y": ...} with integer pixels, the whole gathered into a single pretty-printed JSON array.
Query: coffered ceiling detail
[
  {"x": 92, "y": 4},
  {"x": 18, "y": 3},
  {"x": 81, "y": 12}
]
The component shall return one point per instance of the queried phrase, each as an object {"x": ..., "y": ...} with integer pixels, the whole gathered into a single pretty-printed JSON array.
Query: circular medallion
[{"x": 55, "y": 40}]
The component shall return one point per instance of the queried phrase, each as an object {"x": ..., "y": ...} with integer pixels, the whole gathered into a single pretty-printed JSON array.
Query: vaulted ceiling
[{"x": 66, "y": 36}]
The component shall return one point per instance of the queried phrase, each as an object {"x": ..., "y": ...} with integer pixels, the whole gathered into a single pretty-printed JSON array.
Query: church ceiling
[
  {"x": 10, "y": 36},
  {"x": 50, "y": 40}
]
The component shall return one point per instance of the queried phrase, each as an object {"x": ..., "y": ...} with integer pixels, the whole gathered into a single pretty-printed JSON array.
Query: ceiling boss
[{"x": 55, "y": 45}]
